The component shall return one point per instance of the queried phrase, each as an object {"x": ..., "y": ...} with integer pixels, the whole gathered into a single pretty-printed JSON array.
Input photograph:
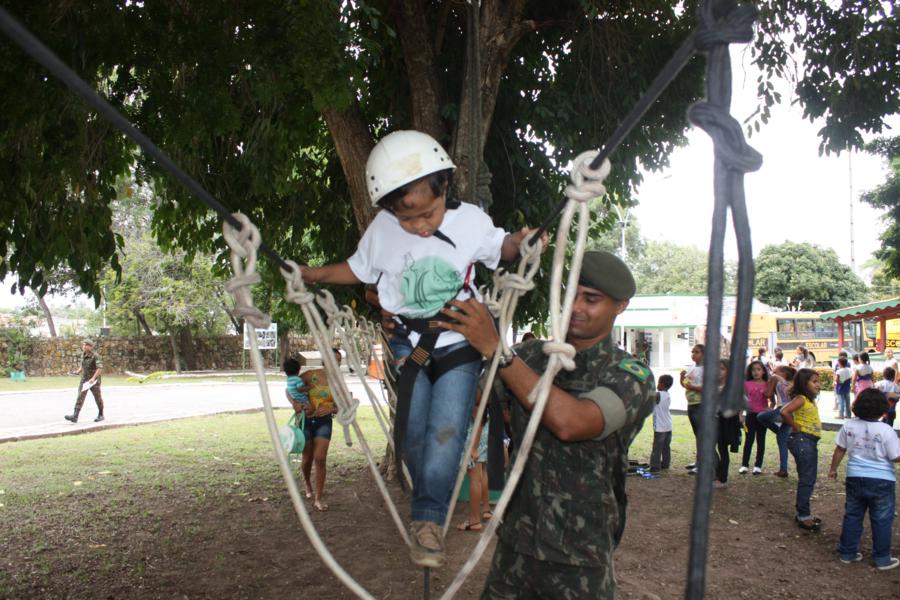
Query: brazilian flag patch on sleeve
[{"x": 630, "y": 365}]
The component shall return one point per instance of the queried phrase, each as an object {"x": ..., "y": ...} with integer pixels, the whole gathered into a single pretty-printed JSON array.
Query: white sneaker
[
  {"x": 743, "y": 470},
  {"x": 757, "y": 470},
  {"x": 856, "y": 558},
  {"x": 891, "y": 565}
]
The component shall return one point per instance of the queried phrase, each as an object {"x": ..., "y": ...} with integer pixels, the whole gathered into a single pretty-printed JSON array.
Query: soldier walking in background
[
  {"x": 568, "y": 513},
  {"x": 90, "y": 369}
]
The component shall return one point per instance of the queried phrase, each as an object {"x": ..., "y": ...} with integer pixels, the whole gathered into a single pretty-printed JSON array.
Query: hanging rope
[{"x": 587, "y": 184}]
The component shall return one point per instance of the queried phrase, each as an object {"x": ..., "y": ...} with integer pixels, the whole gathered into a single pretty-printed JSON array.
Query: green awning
[{"x": 861, "y": 309}]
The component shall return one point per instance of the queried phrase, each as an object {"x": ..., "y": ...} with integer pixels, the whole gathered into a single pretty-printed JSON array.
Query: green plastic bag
[{"x": 292, "y": 438}]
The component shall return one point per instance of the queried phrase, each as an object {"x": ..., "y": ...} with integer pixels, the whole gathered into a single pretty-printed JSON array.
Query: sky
[{"x": 797, "y": 195}]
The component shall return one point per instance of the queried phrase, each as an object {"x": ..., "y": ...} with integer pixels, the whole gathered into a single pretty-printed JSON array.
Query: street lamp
[{"x": 623, "y": 212}]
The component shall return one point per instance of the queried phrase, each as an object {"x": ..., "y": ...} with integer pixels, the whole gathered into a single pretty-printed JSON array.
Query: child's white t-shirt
[
  {"x": 888, "y": 386},
  {"x": 662, "y": 419},
  {"x": 417, "y": 275},
  {"x": 843, "y": 374},
  {"x": 871, "y": 447}
]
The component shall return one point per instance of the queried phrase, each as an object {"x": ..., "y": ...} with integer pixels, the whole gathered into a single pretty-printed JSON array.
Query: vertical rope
[
  {"x": 473, "y": 62},
  {"x": 721, "y": 22}
]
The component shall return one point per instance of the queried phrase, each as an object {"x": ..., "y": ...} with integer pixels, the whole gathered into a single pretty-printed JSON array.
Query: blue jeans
[
  {"x": 843, "y": 405},
  {"x": 804, "y": 448},
  {"x": 772, "y": 420},
  {"x": 439, "y": 416},
  {"x": 876, "y": 495}
]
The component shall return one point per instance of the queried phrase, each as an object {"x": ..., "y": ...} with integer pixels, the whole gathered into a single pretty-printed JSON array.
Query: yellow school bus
[{"x": 791, "y": 329}]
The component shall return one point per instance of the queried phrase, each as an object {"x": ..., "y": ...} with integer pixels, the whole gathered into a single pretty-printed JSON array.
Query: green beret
[
  {"x": 606, "y": 272},
  {"x": 88, "y": 341}
]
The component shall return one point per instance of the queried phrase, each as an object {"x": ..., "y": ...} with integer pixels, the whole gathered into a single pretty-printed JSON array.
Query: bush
[
  {"x": 826, "y": 378},
  {"x": 18, "y": 348}
]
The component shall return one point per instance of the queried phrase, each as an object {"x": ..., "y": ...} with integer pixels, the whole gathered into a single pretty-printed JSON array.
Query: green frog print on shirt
[{"x": 427, "y": 284}]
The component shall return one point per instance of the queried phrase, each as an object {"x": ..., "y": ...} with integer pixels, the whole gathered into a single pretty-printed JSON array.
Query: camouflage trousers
[
  {"x": 98, "y": 398},
  {"x": 516, "y": 576}
]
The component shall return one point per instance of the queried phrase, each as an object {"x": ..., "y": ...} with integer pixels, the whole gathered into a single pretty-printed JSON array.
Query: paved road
[{"x": 27, "y": 415}]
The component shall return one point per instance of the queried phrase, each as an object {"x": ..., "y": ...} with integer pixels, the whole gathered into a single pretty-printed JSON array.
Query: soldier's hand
[{"x": 474, "y": 322}]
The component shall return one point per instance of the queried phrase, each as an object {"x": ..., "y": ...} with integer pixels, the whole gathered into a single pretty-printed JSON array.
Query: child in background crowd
[
  {"x": 890, "y": 389},
  {"x": 479, "y": 494},
  {"x": 294, "y": 387},
  {"x": 863, "y": 374},
  {"x": 661, "y": 455},
  {"x": 692, "y": 381},
  {"x": 843, "y": 376},
  {"x": 802, "y": 416},
  {"x": 870, "y": 482},
  {"x": 777, "y": 392},
  {"x": 755, "y": 388},
  {"x": 729, "y": 435}
]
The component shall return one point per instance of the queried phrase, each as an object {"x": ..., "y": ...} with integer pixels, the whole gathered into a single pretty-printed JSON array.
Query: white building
[{"x": 662, "y": 328}]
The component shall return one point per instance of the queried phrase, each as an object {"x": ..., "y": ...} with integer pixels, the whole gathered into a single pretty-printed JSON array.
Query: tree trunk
[
  {"x": 418, "y": 56},
  {"x": 47, "y": 314},
  {"x": 353, "y": 143},
  {"x": 176, "y": 356},
  {"x": 143, "y": 322},
  {"x": 188, "y": 352},
  {"x": 500, "y": 28}
]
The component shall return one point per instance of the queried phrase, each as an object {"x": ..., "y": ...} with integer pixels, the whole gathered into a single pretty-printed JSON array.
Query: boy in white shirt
[
  {"x": 891, "y": 390},
  {"x": 420, "y": 251},
  {"x": 661, "y": 455},
  {"x": 873, "y": 447}
]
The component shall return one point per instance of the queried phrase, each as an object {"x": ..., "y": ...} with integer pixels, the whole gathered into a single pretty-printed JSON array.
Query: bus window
[
  {"x": 806, "y": 329},
  {"x": 786, "y": 326}
]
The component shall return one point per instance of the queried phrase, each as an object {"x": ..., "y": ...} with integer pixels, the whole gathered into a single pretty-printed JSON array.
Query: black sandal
[{"x": 811, "y": 524}]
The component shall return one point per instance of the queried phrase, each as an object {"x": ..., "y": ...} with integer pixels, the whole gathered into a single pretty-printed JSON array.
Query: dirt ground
[{"x": 251, "y": 546}]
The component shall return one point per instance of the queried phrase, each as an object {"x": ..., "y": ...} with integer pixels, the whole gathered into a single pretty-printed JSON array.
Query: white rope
[
  {"x": 243, "y": 246},
  {"x": 296, "y": 292},
  {"x": 587, "y": 184}
]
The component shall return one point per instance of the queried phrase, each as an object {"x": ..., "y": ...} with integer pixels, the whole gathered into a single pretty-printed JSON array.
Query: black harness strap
[{"x": 421, "y": 358}]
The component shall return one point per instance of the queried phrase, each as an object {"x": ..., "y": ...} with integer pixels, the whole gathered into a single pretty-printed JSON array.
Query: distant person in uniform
[
  {"x": 90, "y": 369},
  {"x": 550, "y": 546}
]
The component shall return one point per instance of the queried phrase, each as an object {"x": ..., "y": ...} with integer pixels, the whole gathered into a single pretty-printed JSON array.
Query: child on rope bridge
[{"x": 420, "y": 251}]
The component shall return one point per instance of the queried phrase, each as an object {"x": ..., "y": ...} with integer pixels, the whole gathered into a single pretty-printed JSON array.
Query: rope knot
[
  {"x": 296, "y": 287},
  {"x": 736, "y": 27},
  {"x": 564, "y": 352},
  {"x": 587, "y": 183},
  {"x": 243, "y": 243}
]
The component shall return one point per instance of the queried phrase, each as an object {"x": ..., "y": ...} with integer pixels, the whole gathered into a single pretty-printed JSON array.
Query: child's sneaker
[
  {"x": 856, "y": 558},
  {"x": 743, "y": 470},
  {"x": 894, "y": 562},
  {"x": 757, "y": 470},
  {"x": 427, "y": 548}
]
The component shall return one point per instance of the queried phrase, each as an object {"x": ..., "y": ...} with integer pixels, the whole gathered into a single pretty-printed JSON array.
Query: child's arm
[
  {"x": 512, "y": 241},
  {"x": 338, "y": 273},
  {"x": 787, "y": 413},
  {"x": 836, "y": 459},
  {"x": 770, "y": 390}
]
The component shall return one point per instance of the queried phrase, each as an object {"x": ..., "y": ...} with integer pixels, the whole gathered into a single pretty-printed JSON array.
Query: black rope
[
  {"x": 43, "y": 55},
  {"x": 721, "y": 22}
]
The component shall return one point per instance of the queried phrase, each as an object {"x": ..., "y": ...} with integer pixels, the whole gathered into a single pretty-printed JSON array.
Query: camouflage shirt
[
  {"x": 569, "y": 507},
  {"x": 90, "y": 362}
]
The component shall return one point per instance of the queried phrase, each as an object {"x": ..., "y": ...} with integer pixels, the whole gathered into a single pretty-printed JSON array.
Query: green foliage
[
  {"x": 795, "y": 276},
  {"x": 19, "y": 344},
  {"x": 887, "y": 197},
  {"x": 236, "y": 94},
  {"x": 848, "y": 75},
  {"x": 667, "y": 268}
]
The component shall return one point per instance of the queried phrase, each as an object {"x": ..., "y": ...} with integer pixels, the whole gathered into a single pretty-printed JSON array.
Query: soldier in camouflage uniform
[
  {"x": 90, "y": 369},
  {"x": 568, "y": 513}
]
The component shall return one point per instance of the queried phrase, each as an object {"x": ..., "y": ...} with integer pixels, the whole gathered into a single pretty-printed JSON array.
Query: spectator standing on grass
[
  {"x": 804, "y": 359},
  {"x": 843, "y": 377},
  {"x": 661, "y": 454},
  {"x": 90, "y": 369},
  {"x": 863, "y": 375},
  {"x": 317, "y": 429},
  {"x": 755, "y": 386},
  {"x": 728, "y": 437},
  {"x": 476, "y": 469},
  {"x": 692, "y": 382},
  {"x": 778, "y": 360},
  {"x": 870, "y": 484},
  {"x": 777, "y": 392},
  {"x": 890, "y": 389},
  {"x": 802, "y": 416}
]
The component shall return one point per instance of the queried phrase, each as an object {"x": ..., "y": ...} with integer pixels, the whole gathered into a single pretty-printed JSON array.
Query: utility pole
[
  {"x": 852, "y": 230},
  {"x": 623, "y": 213}
]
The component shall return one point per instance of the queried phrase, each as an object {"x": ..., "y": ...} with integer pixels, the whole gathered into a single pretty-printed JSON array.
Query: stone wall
[{"x": 147, "y": 354}]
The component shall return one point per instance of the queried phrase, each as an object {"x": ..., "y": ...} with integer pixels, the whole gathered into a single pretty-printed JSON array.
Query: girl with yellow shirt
[{"x": 801, "y": 414}]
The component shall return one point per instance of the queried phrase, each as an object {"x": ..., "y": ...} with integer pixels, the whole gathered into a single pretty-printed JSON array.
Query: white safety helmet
[{"x": 401, "y": 157}]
